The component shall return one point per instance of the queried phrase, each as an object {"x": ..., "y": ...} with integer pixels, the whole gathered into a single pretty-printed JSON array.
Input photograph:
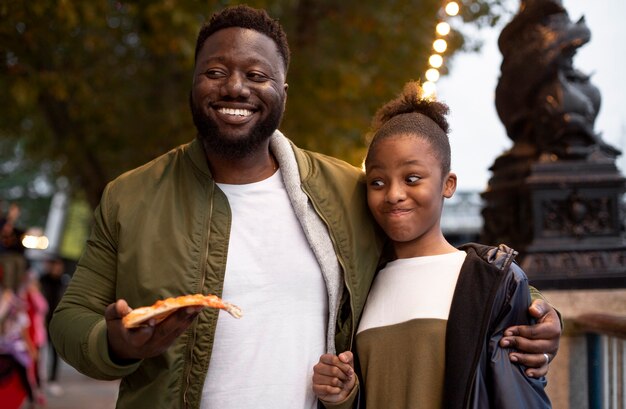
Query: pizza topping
[{"x": 162, "y": 309}]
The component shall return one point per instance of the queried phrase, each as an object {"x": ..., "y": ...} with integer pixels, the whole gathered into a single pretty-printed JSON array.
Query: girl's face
[{"x": 405, "y": 192}]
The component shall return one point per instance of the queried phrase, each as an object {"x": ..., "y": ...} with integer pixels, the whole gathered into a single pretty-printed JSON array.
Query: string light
[
  {"x": 452, "y": 8},
  {"x": 440, "y": 45},
  {"x": 435, "y": 61},
  {"x": 443, "y": 28},
  {"x": 429, "y": 89},
  {"x": 432, "y": 75}
]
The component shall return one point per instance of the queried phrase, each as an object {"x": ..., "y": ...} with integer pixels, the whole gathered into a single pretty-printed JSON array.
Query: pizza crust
[{"x": 162, "y": 309}]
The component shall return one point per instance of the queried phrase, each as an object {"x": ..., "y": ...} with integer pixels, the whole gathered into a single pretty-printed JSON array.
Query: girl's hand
[{"x": 333, "y": 377}]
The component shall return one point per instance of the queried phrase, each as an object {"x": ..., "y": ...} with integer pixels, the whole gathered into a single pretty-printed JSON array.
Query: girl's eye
[
  {"x": 377, "y": 183},
  {"x": 412, "y": 179}
]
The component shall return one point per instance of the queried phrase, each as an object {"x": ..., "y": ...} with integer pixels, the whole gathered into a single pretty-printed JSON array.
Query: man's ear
[{"x": 449, "y": 185}]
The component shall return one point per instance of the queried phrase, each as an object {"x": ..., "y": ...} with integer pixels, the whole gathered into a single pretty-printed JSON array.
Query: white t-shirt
[
  {"x": 412, "y": 288},
  {"x": 266, "y": 358}
]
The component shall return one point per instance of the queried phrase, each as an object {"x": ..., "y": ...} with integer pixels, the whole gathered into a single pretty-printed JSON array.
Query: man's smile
[
  {"x": 234, "y": 115},
  {"x": 235, "y": 112}
]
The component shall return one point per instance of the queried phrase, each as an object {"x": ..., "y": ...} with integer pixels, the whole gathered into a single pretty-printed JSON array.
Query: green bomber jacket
[{"x": 162, "y": 230}]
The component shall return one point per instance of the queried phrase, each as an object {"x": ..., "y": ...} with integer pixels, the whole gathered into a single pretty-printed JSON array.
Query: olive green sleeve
[{"x": 78, "y": 329}]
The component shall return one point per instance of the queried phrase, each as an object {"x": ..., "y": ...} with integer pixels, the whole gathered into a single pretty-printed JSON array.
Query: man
[{"x": 242, "y": 213}]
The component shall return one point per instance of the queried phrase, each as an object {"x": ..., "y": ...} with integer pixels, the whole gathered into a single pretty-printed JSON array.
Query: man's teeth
[{"x": 238, "y": 112}]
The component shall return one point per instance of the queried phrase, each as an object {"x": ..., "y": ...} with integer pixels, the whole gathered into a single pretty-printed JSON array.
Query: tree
[
  {"x": 102, "y": 86},
  {"x": 25, "y": 183}
]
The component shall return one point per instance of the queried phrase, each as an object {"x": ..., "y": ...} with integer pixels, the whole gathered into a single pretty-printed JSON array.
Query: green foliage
[
  {"x": 25, "y": 183},
  {"x": 102, "y": 86}
]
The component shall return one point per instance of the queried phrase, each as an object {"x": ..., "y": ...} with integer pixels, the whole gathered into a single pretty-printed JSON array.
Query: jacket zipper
[{"x": 202, "y": 279}]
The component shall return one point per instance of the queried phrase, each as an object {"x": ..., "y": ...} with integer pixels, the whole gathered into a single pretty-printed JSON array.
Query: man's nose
[{"x": 235, "y": 86}]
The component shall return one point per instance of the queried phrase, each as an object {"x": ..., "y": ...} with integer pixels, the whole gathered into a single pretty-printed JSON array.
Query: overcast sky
[{"x": 478, "y": 137}]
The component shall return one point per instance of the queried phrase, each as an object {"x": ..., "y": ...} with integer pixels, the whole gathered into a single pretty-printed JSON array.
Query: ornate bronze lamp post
[{"x": 555, "y": 196}]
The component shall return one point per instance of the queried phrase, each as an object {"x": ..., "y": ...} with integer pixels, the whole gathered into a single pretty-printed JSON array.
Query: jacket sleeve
[
  {"x": 78, "y": 329},
  {"x": 504, "y": 382}
]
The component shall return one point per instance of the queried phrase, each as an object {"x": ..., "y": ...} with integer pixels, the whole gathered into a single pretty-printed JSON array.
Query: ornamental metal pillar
[{"x": 555, "y": 196}]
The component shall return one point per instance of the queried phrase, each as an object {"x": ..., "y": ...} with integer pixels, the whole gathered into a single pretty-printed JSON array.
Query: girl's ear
[{"x": 449, "y": 185}]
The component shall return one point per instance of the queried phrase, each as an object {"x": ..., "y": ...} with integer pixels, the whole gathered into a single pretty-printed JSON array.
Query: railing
[{"x": 606, "y": 359}]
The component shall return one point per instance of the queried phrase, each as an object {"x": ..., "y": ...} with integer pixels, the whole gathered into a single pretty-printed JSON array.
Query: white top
[
  {"x": 266, "y": 358},
  {"x": 412, "y": 288}
]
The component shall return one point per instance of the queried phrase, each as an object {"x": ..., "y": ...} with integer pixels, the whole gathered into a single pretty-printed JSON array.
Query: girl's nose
[{"x": 395, "y": 193}]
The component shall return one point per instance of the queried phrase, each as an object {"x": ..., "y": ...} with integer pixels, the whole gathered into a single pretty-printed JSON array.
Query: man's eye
[
  {"x": 214, "y": 73},
  {"x": 257, "y": 76},
  {"x": 412, "y": 179}
]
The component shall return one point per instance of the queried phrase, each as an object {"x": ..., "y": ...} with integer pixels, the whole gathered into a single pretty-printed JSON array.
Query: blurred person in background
[
  {"x": 17, "y": 350},
  {"x": 53, "y": 282},
  {"x": 10, "y": 234},
  {"x": 37, "y": 309},
  {"x": 11, "y": 247}
]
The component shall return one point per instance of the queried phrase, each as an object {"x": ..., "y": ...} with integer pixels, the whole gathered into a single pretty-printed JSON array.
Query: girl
[{"x": 429, "y": 333}]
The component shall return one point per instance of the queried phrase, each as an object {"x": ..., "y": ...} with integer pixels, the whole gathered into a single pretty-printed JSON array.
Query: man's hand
[
  {"x": 147, "y": 341},
  {"x": 333, "y": 377},
  {"x": 535, "y": 345}
]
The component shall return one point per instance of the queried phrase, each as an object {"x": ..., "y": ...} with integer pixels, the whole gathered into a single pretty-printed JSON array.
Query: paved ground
[{"x": 81, "y": 392}]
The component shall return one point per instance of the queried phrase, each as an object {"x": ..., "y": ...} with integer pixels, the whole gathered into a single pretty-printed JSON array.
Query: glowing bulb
[
  {"x": 440, "y": 45},
  {"x": 435, "y": 61},
  {"x": 35, "y": 242},
  {"x": 429, "y": 89},
  {"x": 432, "y": 75},
  {"x": 443, "y": 28},
  {"x": 452, "y": 8}
]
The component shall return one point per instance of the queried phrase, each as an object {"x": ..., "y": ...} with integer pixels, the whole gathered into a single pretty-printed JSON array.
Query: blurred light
[
  {"x": 452, "y": 8},
  {"x": 440, "y": 45},
  {"x": 435, "y": 60},
  {"x": 432, "y": 75},
  {"x": 429, "y": 89},
  {"x": 35, "y": 242},
  {"x": 443, "y": 28}
]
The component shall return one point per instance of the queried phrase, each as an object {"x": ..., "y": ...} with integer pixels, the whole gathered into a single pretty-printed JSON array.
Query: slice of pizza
[{"x": 162, "y": 309}]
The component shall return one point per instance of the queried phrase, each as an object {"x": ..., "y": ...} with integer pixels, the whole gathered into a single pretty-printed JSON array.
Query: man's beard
[{"x": 214, "y": 141}]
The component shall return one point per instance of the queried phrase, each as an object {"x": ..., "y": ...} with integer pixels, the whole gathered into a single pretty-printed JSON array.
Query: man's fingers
[
  {"x": 116, "y": 310},
  {"x": 138, "y": 337},
  {"x": 528, "y": 345},
  {"x": 174, "y": 325},
  {"x": 538, "y": 338},
  {"x": 537, "y": 364},
  {"x": 539, "y": 308}
]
